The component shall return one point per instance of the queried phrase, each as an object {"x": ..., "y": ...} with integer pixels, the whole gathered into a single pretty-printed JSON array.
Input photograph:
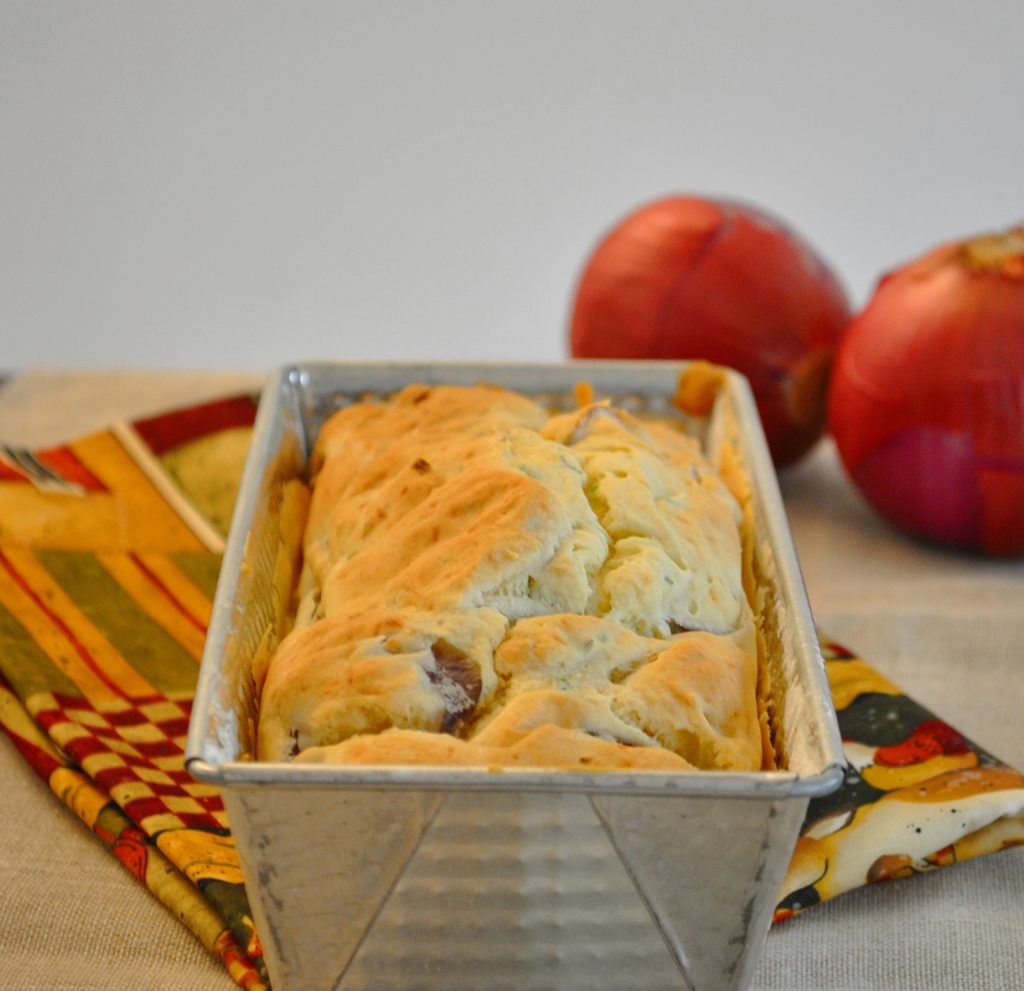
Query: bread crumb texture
[{"x": 488, "y": 585}]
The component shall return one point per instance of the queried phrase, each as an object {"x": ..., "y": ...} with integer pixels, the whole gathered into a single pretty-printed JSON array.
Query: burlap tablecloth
[{"x": 947, "y": 628}]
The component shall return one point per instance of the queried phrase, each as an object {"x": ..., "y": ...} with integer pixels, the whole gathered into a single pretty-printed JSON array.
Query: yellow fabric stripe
[
  {"x": 15, "y": 717},
  {"x": 202, "y": 855},
  {"x": 153, "y": 602},
  {"x": 196, "y": 601},
  {"x": 850, "y": 678},
  {"x": 132, "y": 515},
  {"x": 79, "y": 794},
  {"x": 116, "y": 669},
  {"x": 150, "y": 522}
]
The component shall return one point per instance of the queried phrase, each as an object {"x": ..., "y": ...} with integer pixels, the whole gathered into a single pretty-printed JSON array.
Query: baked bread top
[{"x": 486, "y": 584}]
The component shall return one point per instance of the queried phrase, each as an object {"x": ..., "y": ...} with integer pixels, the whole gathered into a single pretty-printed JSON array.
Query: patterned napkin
[
  {"x": 917, "y": 794},
  {"x": 109, "y": 552}
]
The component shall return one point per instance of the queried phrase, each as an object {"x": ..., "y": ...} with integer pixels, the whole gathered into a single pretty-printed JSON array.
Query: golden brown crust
[
  {"x": 366, "y": 671},
  {"x": 485, "y": 584},
  {"x": 545, "y": 747}
]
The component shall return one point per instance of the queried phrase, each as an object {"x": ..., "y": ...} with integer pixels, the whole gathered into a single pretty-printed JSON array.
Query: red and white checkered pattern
[{"x": 135, "y": 750}]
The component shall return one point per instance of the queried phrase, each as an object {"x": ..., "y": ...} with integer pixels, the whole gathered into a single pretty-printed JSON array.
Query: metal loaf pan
[{"x": 476, "y": 880}]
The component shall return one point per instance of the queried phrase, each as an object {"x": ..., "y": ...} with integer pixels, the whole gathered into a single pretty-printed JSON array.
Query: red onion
[
  {"x": 927, "y": 397},
  {"x": 685, "y": 277}
]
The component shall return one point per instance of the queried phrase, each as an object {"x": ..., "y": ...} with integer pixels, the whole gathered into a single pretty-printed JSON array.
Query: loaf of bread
[{"x": 487, "y": 584}]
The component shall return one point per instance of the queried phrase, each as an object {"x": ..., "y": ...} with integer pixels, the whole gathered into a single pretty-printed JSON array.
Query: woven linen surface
[
  {"x": 103, "y": 618},
  {"x": 96, "y": 931}
]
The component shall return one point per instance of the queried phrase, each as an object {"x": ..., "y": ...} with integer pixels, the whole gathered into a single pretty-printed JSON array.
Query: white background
[{"x": 235, "y": 185}]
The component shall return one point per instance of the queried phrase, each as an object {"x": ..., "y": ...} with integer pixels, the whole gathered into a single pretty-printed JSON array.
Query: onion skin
[
  {"x": 927, "y": 396},
  {"x": 691, "y": 278}
]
